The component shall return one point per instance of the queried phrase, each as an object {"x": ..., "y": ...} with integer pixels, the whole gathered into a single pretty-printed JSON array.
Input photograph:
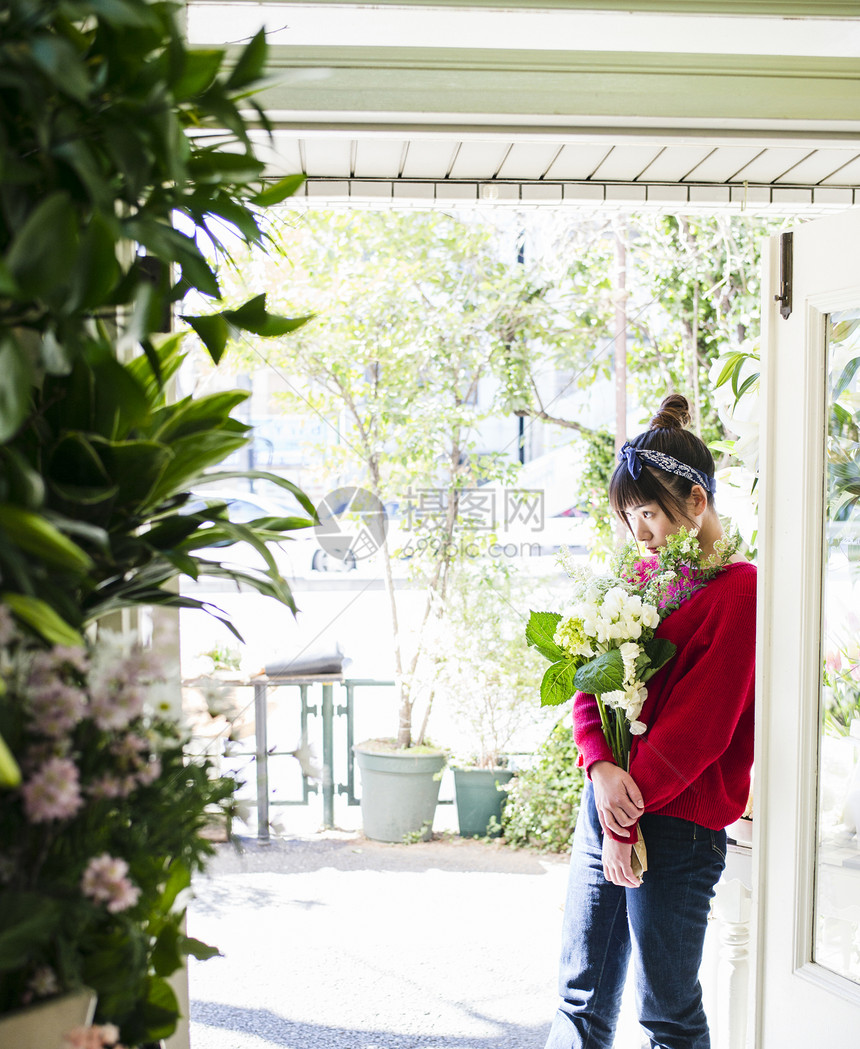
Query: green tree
[{"x": 415, "y": 311}]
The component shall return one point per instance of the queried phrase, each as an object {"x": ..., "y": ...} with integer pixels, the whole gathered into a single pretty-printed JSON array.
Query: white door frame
[{"x": 797, "y": 1001}]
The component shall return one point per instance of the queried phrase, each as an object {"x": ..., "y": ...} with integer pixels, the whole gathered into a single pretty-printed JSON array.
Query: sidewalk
[{"x": 332, "y": 941}]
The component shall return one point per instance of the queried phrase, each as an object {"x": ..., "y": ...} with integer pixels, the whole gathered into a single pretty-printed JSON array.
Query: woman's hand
[
  {"x": 616, "y": 863},
  {"x": 618, "y": 799}
]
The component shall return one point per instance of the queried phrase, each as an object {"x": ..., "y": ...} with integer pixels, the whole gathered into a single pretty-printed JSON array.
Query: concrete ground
[{"x": 331, "y": 941}]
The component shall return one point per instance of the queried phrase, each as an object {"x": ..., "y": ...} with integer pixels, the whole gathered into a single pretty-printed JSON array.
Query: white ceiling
[{"x": 502, "y": 168}]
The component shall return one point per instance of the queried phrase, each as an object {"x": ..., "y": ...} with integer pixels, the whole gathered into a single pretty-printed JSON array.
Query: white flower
[
  {"x": 637, "y": 728},
  {"x": 629, "y": 654}
]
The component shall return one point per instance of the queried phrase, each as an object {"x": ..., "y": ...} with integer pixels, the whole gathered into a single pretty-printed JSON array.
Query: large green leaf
[
  {"x": 32, "y": 532},
  {"x": 604, "y": 673},
  {"x": 42, "y": 618},
  {"x": 540, "y": 633},
  {"x": 195, "y": 415},
  {"x": 557, "y": 685},
  {"x": 198, "y": 72},
  {"x": 134, "y": 467},
  {"x": 192, "y": 456}
]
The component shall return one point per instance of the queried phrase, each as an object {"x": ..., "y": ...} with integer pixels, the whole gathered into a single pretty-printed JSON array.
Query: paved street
[{"x": 336, "y": 942}]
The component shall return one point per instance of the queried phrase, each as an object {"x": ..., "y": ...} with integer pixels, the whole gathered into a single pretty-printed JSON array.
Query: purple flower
[{"x": 53, "y": 793}]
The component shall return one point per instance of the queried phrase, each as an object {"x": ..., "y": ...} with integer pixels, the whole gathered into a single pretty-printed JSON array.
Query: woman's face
[{"x": 650, "y": 525}]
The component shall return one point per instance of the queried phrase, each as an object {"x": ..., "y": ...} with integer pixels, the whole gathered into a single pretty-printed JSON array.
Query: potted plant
[
  {"x": 486, "y": 683},
  {"x": 94, "y": 873}
]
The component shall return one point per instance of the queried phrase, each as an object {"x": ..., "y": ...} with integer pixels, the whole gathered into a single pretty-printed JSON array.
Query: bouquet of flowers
[
  {"x": 102, "y": 821},
  {"x": 604, "y": 642}
]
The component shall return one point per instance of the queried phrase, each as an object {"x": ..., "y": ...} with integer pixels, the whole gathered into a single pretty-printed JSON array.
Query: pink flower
[
  {"x": 105, "y": 881},
  {"x": 53, "y": 793},
  {"x": 56, "y": 707},
  {"x": 105, "y": 1036},
  {"x": 107, "y": 787},
  {"x": 833, "y": 662}
]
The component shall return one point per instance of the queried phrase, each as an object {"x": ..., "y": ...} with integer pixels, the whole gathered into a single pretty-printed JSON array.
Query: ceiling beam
[{"x": 483, "y": 87}]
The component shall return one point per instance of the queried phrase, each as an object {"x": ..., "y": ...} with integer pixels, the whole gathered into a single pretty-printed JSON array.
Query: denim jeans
[{"x": 662, "y": 924}]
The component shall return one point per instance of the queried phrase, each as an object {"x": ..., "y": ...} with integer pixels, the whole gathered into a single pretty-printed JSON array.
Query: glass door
[
  {"x": 807, "y": 806},
  {"x": 836, "y": 930}
]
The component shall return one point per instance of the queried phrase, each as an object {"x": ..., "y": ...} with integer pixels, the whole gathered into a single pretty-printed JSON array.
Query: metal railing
[{"x": 327, "y": 711}]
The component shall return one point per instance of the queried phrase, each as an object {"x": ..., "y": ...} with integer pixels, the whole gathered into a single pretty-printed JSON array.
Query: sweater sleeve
[
  {"x": 587, "y": 731},
  {"x": 696, "y": 724}
]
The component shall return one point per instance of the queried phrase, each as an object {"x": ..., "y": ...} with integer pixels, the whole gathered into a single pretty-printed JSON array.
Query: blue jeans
[{"x": 662, "y": 924}]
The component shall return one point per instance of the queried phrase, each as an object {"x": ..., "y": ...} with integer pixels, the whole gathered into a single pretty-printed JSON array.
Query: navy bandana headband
[{"x": 634, "y": 457}]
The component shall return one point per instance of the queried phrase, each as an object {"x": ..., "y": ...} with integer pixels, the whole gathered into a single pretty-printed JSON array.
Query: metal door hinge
[{"x": 785, "y": 274}]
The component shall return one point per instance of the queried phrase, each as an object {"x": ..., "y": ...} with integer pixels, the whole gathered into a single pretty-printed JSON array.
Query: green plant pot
[
  {"x": 399, "y": 791},
  {"x": 479, "y": 799}
]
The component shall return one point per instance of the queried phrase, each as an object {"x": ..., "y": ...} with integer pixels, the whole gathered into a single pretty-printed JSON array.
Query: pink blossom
[
  {"x": 833, "y": 662},
  {"x": 107, "y": 786},
  {"x": 53, "y": 793},
  {"x": 149, "y": 773},
  {"x": 105, "y": 881},
  {"x": 56, "y": 707},
  {"x": 105, "y": 1036}
]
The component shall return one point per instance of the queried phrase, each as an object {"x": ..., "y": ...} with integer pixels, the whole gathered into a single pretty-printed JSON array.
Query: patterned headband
[{"x": 634, "y": 457}]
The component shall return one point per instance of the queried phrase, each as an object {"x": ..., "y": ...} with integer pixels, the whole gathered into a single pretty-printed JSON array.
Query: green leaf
[
  {"x": 659, "y": 651},
  {"x": 262, "y": 475},
  {"x": 252, "y": 316},
  {"x": 165, "y": 954},
  {"x": 42, "y": 618},
  {"x": 44, "y": 252},
  {"x": 558, "y": 683},
  {"x": 199, "y": 71},
  {"x": 213, "y": 331},
  {"x": 14, "y": 388},
  {"x": 250, "y": 64},
  {"x": 31, "y": 532},
  {"x": 604, "y": 673},
  {"x": 160, "y": 1010},
  {"x": 97, "y": 270},
  {"x": 278, "y": 191},
  {"x": 27, "y": 920},
  {"x": 197, "y": 949},
  {"x": 214, "y": 166},
  {"x": 60, "y": 60},
  {"x": 10, "y": 772},
  {"x": 540, "y": 633},
  {"x": 8, "y": 286}
]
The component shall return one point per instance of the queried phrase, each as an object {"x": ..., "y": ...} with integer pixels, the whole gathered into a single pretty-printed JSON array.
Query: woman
[{"x": 689, "y": 773}]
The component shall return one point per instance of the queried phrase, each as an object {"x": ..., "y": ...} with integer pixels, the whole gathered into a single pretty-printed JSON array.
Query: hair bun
[{"x": 673, "y": 413}]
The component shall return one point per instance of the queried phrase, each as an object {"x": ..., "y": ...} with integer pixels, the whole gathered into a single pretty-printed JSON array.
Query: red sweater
[{"x": 694, "y": 760}]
